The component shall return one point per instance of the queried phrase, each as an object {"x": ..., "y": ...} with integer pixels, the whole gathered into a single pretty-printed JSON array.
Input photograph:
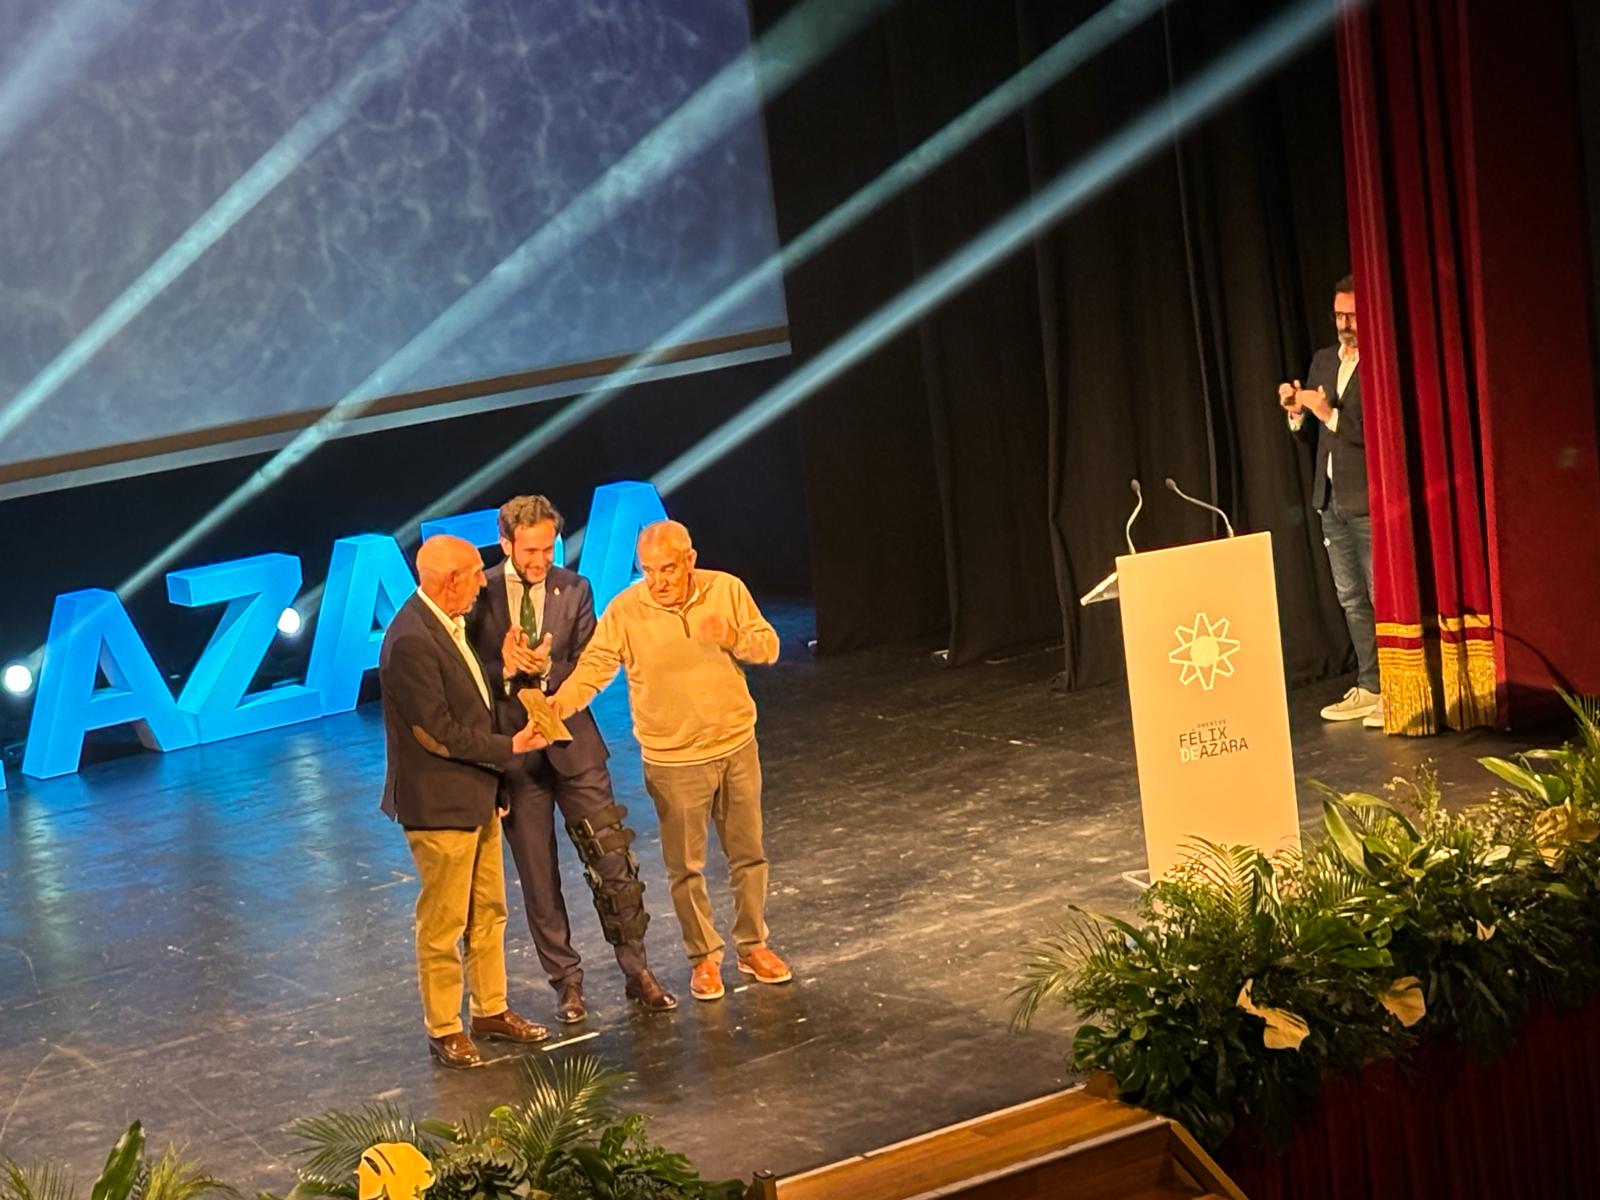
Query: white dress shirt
[{"x": 456, "y": 627}]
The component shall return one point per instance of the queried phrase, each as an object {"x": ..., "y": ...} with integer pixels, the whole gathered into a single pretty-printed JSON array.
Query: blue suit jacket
[{"x": 569, "y": 620}]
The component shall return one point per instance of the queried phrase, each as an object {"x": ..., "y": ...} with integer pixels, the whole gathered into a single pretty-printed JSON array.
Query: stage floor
[{"x": 217, "y": 941}]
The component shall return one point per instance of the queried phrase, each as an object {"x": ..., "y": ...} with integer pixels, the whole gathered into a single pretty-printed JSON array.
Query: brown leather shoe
[
  {"x": 570, "y": 1009},
  {"x": 765, "y": 966},
  {"x": 508, "y": 1027},
  {"x": 455, "y": 1050},
  {"x": 705, "y": 981},
  {"x": 646, "y": 990}
]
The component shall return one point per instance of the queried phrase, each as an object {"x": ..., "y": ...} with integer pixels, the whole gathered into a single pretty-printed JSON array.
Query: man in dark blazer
[
  {"x": 444, "y": 762},
  {"x": 534, "y": 621},
  {"x": 1325, "y": 413}
]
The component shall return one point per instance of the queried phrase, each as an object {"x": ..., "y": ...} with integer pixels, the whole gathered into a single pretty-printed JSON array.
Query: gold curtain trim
[
  {"x": 1407, "y": 691},
  {"x": 1430, "y": 625},
  {"x": 1469, "y": 677},
  {"x": 1397, "y": 629}
]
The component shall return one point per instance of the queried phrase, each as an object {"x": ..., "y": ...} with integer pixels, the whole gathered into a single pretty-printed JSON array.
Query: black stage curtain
[{"x": 970, "y": 479}]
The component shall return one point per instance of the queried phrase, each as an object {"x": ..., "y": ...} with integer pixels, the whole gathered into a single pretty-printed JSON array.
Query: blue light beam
[
  {"x": 1071, "y": 51},
  {"x": 383, "y": 62},
  {"x": 1264, "y": 50},
  {"x": 53, "y": 55},
  {"x": 782, "y": 55}
]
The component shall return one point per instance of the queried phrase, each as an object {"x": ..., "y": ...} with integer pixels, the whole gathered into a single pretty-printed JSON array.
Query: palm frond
[
  {"x": 336, "y": 1140},
  {"x": 37, "y": 1181},
  {"x": 566, "y": 1101},
  {"x": 1241, "y": 878},
  {"x": 176, "y": 1177},
  {"x": 1326, "y": 882},
  {"x": 1053, "y": 965}
]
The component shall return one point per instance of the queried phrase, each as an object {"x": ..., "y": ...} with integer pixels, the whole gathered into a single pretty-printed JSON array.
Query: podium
[{"x": 1206, "y": 687}]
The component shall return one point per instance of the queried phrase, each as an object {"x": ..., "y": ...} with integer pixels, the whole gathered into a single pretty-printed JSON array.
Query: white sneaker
[
  {"x": 1374, "y": 719},
  {"x": 1357, "y": 702}
]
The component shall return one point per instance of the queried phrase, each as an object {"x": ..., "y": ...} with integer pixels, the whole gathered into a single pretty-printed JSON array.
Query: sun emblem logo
[{"x": 1204, "y": 651}]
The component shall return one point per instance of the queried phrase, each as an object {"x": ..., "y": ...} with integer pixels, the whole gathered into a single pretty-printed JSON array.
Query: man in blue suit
[{"x": 533, "y": 622}]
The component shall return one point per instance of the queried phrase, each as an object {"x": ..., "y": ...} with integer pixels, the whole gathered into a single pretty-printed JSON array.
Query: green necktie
[{"x": 530, "y": 614}]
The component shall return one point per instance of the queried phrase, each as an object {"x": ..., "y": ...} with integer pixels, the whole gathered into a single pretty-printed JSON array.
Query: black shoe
[
  {"x": 648, "y": 993},
  {"x": 570, "y": 1009}
]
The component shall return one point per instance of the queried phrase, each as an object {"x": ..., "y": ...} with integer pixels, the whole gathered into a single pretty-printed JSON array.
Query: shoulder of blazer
[{"x": 408, "y": 617}]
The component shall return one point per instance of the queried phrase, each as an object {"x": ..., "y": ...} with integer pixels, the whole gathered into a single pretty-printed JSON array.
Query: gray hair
[{"x": 671, "y": 534}]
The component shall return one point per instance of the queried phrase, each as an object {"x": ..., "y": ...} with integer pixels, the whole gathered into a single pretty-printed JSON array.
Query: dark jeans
[
  {"x": 535, "y": 794},
  {"x": 1349, "y": 541}
]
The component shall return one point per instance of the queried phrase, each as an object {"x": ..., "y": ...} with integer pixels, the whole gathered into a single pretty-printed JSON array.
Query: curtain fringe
[
  {"x": 1407, "y": 691},
  {"x": 1469, "y": 683}
]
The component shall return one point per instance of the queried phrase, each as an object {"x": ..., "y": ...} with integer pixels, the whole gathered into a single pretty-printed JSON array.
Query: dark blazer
[
  {"x": 569, "y": 620},
  {"x": 1347, "y": 445},
  {"x": 444, "y": 756}
]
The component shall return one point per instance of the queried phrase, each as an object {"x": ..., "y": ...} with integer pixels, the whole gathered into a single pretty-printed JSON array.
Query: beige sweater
[{"x": 689, "y": 698}]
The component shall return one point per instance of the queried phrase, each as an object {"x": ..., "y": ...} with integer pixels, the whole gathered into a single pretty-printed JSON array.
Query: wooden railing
[{"x": 1080, "y": 1143}]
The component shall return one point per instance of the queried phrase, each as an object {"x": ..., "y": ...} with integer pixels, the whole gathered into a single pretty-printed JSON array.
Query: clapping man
[
  {"x": 1325, "y": 413},
  {"x": 534, "y": 621}
]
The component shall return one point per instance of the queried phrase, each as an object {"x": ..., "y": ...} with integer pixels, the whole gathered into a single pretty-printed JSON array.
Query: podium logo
[
  {"x": 1207, "y": 740},
  {"x": 1204, "y": 651}
]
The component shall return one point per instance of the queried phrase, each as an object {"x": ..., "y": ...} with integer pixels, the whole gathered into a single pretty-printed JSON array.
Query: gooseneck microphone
[
  {"x": 1127, "y": 530},
  {"x": 1183, "y": 495}
]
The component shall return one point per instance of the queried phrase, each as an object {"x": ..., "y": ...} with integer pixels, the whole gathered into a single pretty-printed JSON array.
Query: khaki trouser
[
  {"x": 463, "y": 898},
  {"x": 726, "y": 790}
]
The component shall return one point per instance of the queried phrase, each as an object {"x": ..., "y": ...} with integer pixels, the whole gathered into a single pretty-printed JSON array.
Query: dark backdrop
[
  {"x": 969, "y": 480},
  {"x": 747, "y": 512}
]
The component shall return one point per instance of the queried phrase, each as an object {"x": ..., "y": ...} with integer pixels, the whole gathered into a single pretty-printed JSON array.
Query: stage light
[
  {"x": 782, "y": 55},
  {"x": 387, "y": 60},
  {"x": 1269, "y": 47},
  {"x": 1069, "y": 52},
  {"x": 290, "y": 623},
  {"x": 17, "y": 679}
]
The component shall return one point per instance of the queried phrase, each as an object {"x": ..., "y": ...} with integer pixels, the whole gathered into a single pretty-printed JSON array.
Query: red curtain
[
  {"x": 1408, "y": 142},
  {"x": 1525, "y": 1125}
]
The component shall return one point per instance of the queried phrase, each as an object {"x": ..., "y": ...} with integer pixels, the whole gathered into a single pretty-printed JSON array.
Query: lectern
[{"x": 1206, "y": 688}]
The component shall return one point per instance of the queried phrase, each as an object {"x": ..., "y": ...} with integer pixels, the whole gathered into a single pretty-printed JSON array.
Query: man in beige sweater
[{"x": 685, "y": 636}]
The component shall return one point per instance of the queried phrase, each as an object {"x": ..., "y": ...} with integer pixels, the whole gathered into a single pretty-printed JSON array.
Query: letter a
[
  {"x": 368, "y": 581},
  {"x": 89, "y": 631},
  {"x": 610, "y": 545}
]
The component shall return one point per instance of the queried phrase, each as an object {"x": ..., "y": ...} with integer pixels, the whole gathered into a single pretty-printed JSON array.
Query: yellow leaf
[
  {"x": 1404, "y": 999},
  {"x": 1284, "y": 1030},
  {"x": 393, "y": 1171},
  {"x": 1485, "y": 932}
]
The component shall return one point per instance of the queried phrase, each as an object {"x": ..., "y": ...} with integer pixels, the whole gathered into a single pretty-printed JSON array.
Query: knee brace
[{"x": 619, "y": 903}]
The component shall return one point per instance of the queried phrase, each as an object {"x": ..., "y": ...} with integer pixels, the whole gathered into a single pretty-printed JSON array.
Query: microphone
[
  {"x": 1182, "y": 495},
  {"x": 1107, "y": 588},
  {"x": 1127, "y": 530}
]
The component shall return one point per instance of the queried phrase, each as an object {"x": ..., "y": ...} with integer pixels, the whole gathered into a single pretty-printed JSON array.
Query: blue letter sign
[
  {"x": 482, "y": 529},
  {"x": 610, "y": 545},
  {"x": 90, "y": 629},
  {"x": 368, "y": 581},
  {"x": 257, "y": 591}
]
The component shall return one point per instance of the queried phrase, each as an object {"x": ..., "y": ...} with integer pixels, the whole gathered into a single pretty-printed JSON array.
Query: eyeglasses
[{"x": 1344, "y": 318}]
